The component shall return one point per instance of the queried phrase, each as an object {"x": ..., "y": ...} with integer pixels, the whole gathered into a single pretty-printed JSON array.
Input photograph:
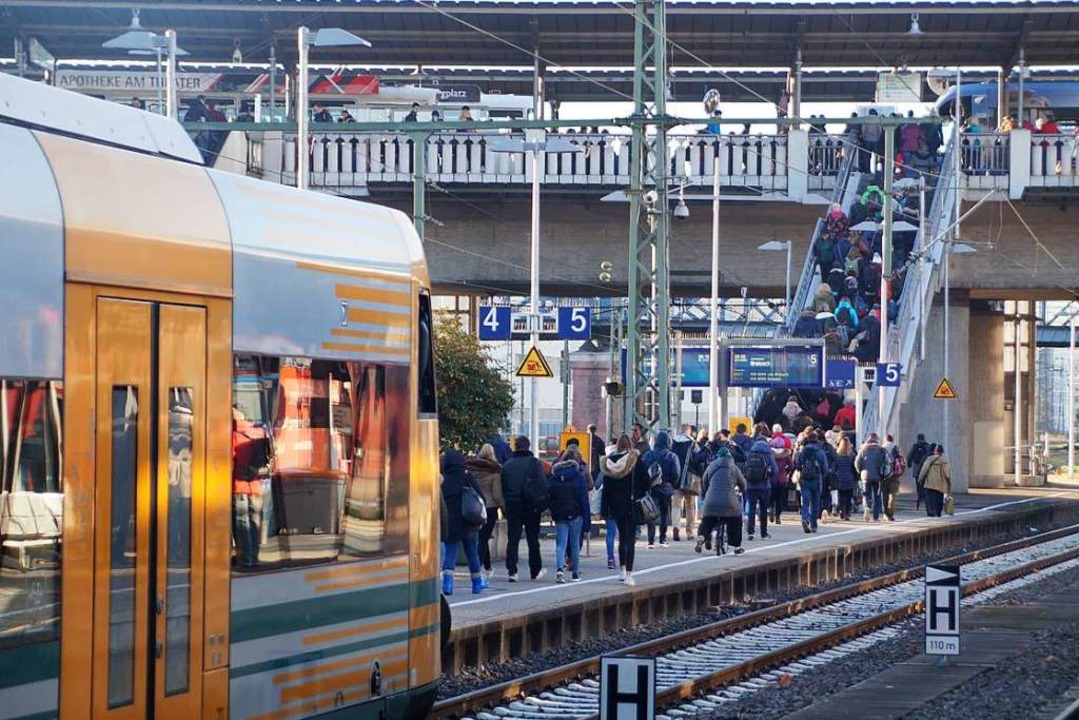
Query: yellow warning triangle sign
[
  {"x": 534, "y": 365},
  {"x": 945, "y": 391}
]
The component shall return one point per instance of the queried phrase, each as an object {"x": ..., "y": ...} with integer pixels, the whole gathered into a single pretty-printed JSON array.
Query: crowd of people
[{"x": 737, "y": 484}]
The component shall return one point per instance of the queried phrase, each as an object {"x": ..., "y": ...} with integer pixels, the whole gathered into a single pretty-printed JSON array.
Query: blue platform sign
[
  {"x": 839, "y": 374},
  {"x": 794, "y": 366},
  {"x": 888, "y": 374},
  {"x": 574, "y": 323},
  {"x": 494, "y": 323}
]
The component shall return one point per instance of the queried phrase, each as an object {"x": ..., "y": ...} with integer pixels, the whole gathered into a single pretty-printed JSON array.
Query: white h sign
[
  {"x": 627, "y": 688},
  {"x": 941, "y": 610}
]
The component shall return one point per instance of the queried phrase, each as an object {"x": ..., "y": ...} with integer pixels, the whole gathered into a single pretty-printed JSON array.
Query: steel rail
[{"x": 463, "y": 705}]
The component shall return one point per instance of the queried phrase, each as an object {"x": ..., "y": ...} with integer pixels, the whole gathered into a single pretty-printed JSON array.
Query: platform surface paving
[{"x": 679, "y": 563}]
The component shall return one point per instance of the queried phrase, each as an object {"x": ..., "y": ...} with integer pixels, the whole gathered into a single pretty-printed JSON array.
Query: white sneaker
[
  {"x": 865, "y": 515},
  {"x": 622, "y": 577},
  {"x": 560, "y": 577},
  {"x": 629, "y": 579},
  {"x": 541, "y": 574},
  {"x": 664, "y": 545}
]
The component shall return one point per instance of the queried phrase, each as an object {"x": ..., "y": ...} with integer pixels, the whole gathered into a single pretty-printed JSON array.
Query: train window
[
  {"x": 178, "y": 579},
  {"x": 313, "y": 454},
  {"x": 31, "y": 510},
  {"x": 426, "y": 351},
  {"x": 123, "y": 544}
]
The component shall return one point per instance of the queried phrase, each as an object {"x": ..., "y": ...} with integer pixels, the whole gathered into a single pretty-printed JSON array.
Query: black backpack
[
  {"x": 809, "y": 465},
  {"x": 535, "y": 488},
  {"x": 756, "y": 469}
]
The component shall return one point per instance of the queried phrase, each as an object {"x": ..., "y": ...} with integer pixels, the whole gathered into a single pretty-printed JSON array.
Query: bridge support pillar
[
  {"x": 1018, "y": 163},
  {"x": 797, "y": 164}
]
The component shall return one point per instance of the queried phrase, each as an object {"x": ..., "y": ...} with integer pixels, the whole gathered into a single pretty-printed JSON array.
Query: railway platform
[{"x": 511, "y": 619}]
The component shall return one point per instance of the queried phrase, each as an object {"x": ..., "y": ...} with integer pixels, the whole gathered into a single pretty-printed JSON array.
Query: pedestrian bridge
[{"x": 798, "y": 166}]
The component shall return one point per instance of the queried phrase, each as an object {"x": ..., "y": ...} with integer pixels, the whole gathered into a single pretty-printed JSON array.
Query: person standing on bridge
[{"x": 936, "y": 476}]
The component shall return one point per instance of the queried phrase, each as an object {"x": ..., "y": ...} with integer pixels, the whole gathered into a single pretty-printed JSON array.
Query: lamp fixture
[{"x": 914, "y": 28}]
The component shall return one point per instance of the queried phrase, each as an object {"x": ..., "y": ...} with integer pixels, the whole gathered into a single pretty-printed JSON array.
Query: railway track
[{"x": 741, "y": 654}]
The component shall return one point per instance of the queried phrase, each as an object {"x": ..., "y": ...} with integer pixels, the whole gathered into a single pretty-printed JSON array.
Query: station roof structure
[{"x": 597, "y": 34}]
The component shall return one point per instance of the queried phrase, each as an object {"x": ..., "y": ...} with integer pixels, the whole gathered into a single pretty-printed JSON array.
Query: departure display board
[{"x": 790, "y": 366}]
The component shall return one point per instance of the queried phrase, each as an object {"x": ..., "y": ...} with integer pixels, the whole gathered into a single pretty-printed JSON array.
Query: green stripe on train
[
  {"x": 327, "y": 653},
  {"x": 311, "y": 613},
  {"x": 30, "y": 663}
]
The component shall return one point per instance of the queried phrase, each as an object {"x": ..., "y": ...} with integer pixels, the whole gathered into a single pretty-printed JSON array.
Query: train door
[{"x": 150, "y": 446}]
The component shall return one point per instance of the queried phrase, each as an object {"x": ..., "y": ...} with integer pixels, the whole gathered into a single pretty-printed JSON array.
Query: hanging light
[
  {"x": 136, "y": 38},
  {"x": 914, "y": 29}
]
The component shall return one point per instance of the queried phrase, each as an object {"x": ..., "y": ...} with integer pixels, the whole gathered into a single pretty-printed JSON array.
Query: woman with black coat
[
  {"x": 846, "y": 477},
  {"x": 624, "y": 481},
  {"x": 455, "y": 478}
]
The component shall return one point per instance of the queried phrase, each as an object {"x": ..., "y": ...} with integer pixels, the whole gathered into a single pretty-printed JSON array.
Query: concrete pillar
[
  {"x": 590, "y": 367},
  {"x": 1018, "y": 163},
  {"x": 987, "y": 416},
  {"x": 797, "y": 164}
]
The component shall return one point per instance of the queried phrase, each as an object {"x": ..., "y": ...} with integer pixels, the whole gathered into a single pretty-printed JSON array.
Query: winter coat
[
  {"x": 762, "y": 448},
  {"x": 568, "y": 491},
  {"x": 846, "y": 477},
  {"x": 808, "y": 326},
  {"x": 936, "y": 474},
  {"x": 823, "y": 300},
  {"x": 454, "y": 478},
  {"x": 503, "y": 451},
  {"x": 784, "y": 457},
  {"x": 488, "y": 476},
  {"x": 845, "y": 418},
  {"x": 844, "y": 308},
  {"x": 661, "y": 452},
  {"x": 868, "y": 460},
  {"x": 835, "y": 226},
  {"x": 812, "y": 449},
  {"x": 622, "y": 484},
  {"x": 722, "y": 480},
  {"x": 917, "y": 455},
  {"x": 522, "y": 466}
]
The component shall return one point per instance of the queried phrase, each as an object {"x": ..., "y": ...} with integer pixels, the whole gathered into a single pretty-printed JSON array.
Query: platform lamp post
[
  {"x": 325, "y": 37},
  {"x": 1071, "y": 400},
  {"x": 139, "y": 41},
  {"x": 776, "y": 246},
  {"x": 534, "y": 146}
]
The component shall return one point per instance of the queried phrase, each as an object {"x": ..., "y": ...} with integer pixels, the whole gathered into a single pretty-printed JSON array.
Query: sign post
[
  {"x": 627, "y": 688},
  {"x": 942, "y": 609}
]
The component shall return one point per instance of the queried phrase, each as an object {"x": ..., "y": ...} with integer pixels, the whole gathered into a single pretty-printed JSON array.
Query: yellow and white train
[{"x": 218, "y": 439}]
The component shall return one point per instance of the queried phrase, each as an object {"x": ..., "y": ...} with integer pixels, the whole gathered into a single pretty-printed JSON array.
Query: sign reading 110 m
[{"x": 789, "y": 366}]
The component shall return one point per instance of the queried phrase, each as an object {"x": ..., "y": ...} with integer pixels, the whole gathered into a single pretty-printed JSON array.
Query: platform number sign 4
[
  {"x": 574, "y": 323},
  {"x": 494, "y": 323},
  {"x": 889, "y": 374}
]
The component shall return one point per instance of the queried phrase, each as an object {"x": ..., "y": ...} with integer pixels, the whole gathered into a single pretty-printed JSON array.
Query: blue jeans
[
  {"x": 873, "y": 498},
  {"x": 757, "y": 500},
  {"x": 568, "y": 531},
  {"x": 811, "y": 502},
  {"x": 471, "y": 542},
  {"x": 612, "y": 531}
]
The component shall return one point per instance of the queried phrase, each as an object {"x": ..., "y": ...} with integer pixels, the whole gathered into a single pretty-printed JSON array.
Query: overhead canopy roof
[{"x": 575, "y": 34}]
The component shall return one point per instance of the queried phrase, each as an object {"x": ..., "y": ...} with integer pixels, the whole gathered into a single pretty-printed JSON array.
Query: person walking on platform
[
  {"x": 721, "y": 484},
  {"x": 783, "y": 450},
  {"x": 759, "y": 472},
  {"x": 870, "y": 458},
  {"x": 919, "y": 451},
  {"x": 455, "y": 479},
  {"x": 640, "y": 438},
  {"x": 890, "y": 485},
  {"x": 488, "y": 474},
  {"x": 664, "y": 471},
  {"x": 846, "y": 477},
  {"x": 595, "y": 448},
  {"x": 936, "y": 477},
  {"x": 524, "y": 488},
  {"x": 812, "y": 466},
  {"x": 568, "y": 490},
  {"x": 623, "y": 483}
]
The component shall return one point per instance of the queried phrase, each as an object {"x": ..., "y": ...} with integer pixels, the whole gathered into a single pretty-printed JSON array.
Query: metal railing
[
  {"x": 917, "y": 299},
  {"x": 346, "y": 158},
  {"x": 807, "y": 278}
]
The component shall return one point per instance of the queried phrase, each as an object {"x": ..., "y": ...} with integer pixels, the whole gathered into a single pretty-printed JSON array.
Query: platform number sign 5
[
  {"x": 574, "y": 323},
  {"x": 494, "y": 323},
  {"x": 889, "y": 374}
]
